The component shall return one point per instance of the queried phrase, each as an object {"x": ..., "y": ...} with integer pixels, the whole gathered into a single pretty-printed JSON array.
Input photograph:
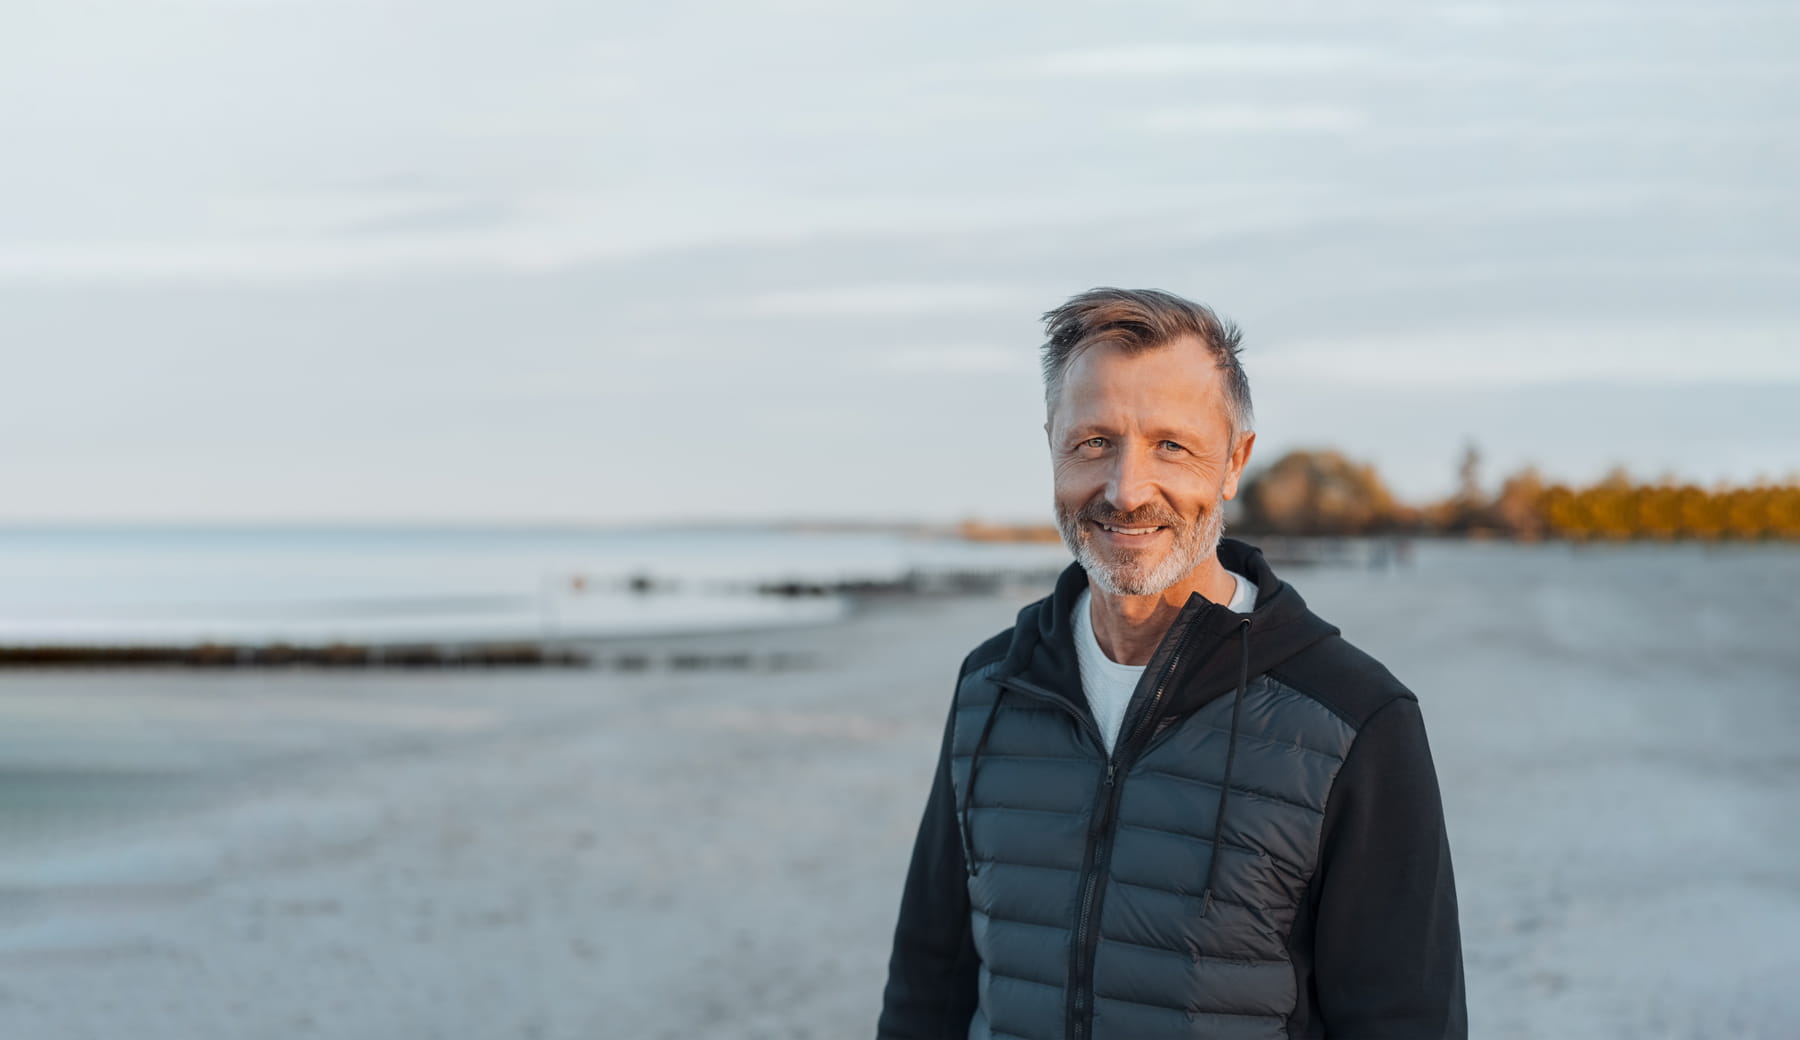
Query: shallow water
[{"x": 262, "y": 585}]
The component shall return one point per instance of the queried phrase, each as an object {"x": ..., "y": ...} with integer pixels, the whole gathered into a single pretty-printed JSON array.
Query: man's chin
[
  {"x": 1126, "y": 578},
  {"x": 1149, "y": 571},
  {"x": 1123, "y": 570}
]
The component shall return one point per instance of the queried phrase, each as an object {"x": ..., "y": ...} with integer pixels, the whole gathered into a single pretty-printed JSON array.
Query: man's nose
[{"x": 1130, "y": 486}]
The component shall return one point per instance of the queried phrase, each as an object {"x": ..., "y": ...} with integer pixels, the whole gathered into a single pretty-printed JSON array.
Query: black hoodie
[{"x": 1375, "y": 948}]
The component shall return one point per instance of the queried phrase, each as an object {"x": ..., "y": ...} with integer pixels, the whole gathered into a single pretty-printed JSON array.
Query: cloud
[
  {"x": 1248, "y": 119},
  {"x": 1164, "y": 61},
  {"x": 1623, "y": 354},
  {"x": 886, "y": 300},
  {"x": 277, "y": 260},
  {"x": 958, "y": 359},
  {"x": 453, "y": 217}
]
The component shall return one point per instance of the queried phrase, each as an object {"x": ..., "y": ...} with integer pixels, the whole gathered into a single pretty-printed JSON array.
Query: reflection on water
[{"x": 120, "y": 586}]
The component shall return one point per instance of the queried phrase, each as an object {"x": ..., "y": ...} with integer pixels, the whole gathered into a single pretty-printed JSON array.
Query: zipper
[
  {"x": 1080, "y": 1013},
  {"x": 1097, "y": 862},
  {"x": 1077, "y": 1016}
]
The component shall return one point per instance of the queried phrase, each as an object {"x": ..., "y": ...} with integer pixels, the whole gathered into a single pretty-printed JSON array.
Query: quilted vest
[{"x": 1096, "y": 907}]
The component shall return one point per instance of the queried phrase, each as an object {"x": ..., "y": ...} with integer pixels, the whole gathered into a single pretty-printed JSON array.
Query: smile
[{"x": 1132, "y": 532}]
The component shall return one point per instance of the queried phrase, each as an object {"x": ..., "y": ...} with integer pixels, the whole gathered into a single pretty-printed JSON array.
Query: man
[{"x": 1171, "y": 801}]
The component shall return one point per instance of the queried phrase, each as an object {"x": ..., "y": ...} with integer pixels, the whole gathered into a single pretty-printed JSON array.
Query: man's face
[{"x": 1143, "y": 460}]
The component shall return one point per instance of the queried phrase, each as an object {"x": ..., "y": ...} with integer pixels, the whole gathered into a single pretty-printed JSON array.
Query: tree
[
  {"x": 1520, "y": 508},
  {"x": 1318, "y": 493}
]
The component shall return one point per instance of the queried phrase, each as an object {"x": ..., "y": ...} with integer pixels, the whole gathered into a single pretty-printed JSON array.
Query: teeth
[{"x": 1128, "y": 530}]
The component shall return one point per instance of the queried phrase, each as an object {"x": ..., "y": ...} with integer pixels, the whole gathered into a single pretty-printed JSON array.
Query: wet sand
[{"x": 717, "y": 851}]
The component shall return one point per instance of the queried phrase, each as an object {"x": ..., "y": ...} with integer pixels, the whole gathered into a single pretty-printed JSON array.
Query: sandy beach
[{"x": 710, "y": 851}]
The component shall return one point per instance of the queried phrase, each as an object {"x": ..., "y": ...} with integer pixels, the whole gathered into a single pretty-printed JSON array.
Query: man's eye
[
  {"x": 1173, "y": 446},
  {"x": 1094, "y": 442}
]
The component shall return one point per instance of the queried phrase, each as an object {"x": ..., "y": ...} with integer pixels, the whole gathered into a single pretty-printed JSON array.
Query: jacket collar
[{"x": 1043, "y": 648}]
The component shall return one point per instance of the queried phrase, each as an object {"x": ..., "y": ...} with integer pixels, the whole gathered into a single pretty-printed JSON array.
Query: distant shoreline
[
  {"x": 550, "y": 642},
  {"x": 626, "y": 652},
  {"x": 970, "y": 530}
]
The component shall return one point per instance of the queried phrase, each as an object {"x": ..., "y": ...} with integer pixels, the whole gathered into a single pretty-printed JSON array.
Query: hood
[{"x": 1280, "y": 626}]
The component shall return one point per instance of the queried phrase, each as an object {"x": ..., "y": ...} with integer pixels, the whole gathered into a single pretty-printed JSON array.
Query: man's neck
[{"x": 1129, "y": 628}]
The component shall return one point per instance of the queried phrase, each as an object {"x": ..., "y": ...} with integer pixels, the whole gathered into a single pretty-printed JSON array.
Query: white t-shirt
[{"x": 1109, "y": 684}]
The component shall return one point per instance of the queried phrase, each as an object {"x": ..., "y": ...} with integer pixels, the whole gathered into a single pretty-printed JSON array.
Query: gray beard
[{"x": 1193, "y": 545}]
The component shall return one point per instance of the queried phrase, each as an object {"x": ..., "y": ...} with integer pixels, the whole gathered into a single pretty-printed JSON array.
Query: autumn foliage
[
  {"x": 1323, "y": 493},
  {"x": 1667, "y": 511},
  {"x": 1319, "y": 492}
]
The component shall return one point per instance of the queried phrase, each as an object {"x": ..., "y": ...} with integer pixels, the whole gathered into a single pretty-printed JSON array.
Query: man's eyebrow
[
  {"x": 1155, "y": 433},
  {"x": 1082, "y": 431}
]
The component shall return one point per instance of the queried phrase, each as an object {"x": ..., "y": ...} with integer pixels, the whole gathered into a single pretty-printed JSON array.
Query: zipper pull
[{"x": 1112, "y": 767}]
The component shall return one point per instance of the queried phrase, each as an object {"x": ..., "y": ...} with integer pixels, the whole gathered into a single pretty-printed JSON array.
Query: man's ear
[{"x": 1240, "y": 455}]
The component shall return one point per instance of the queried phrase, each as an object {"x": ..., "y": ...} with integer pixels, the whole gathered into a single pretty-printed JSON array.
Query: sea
[{"x": 125, "y": 586}]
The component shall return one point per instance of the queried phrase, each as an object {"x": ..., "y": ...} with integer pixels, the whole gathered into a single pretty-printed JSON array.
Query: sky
[{"x": 334, "y": 261}]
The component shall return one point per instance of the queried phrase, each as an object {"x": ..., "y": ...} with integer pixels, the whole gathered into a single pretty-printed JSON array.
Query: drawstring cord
[
  {"x": 962, "y": 817},
  {"x": 1237, "y": 704}
]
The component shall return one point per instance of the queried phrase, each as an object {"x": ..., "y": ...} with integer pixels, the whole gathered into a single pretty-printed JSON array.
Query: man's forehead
[{"x": 1180, "y": 369}]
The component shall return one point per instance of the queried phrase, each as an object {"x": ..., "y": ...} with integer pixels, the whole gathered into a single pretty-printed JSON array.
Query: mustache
[{"x": 1149, "y": 516}]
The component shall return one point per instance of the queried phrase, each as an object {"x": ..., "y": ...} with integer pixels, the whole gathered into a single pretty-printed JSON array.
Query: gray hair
[{"x": 1136, "y": 320}]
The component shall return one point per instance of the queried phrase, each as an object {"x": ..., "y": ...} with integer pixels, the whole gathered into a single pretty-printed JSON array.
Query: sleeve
[
  {"x": 1387, "y": 950},
  {"x": 931, "y": 987}
]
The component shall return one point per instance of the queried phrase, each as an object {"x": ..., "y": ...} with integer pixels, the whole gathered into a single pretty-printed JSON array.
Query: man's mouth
[{"x": 1129, "y": 531}]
